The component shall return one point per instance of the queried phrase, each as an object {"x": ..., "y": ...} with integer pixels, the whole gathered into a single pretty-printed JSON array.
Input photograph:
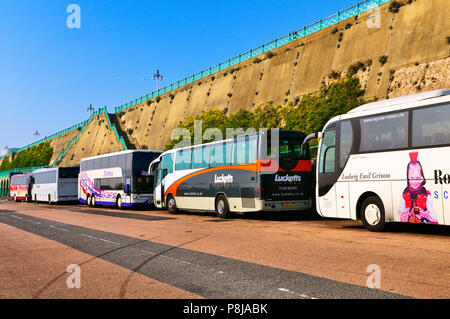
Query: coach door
[
  {"x": 164, "y": 172},
  {"x": 344, "y": 147},
  {"x": 327, "y": 173}
]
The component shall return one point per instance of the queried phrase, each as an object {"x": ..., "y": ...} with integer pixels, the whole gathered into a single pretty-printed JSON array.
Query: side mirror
[
  {"x": 312, "y": 136},
  {"x": 127, "y": 189}
]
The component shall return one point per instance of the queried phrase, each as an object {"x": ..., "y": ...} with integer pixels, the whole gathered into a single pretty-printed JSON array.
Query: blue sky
[{"x": 49, "y": 73}]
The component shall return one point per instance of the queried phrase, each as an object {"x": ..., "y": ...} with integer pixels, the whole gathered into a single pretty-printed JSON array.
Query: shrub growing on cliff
[
  {"x": 383, "y": 59},
  {"x": 395, "y": 6},
  {"x": 309, "y": 114},
  {"x": 38, "y": 155},
  {"x": 316, "y": 109}
]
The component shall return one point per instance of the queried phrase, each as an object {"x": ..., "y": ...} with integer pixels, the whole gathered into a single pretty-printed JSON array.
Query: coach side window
[
  {"x": 104, "y": 162},
  {"x": 200, "y": 157},
  {"x": 113, "y": 161},
  {"x": 346, "y": 142},
  {"x": 183, "y": 159},
  {"x": 431, "y": 126},
  {"x": 167, "y": 163},
  {"x": 244, "y": 151},
  {"x": 384, "y": 132},
  {"x": 221, "y": 154}
]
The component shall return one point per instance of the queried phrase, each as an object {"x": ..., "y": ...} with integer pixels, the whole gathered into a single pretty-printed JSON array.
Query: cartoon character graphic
[{"x": 416, "y": 205}]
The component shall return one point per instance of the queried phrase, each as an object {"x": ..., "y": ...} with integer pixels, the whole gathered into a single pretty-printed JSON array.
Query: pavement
[{"x": 152, "y": 254}]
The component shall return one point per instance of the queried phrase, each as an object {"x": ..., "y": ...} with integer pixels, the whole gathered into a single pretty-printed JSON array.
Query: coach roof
[{"x": 400, "y": 100}]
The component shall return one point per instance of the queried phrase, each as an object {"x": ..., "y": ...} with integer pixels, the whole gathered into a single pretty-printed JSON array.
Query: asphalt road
[{"x": 192, "y": 255}]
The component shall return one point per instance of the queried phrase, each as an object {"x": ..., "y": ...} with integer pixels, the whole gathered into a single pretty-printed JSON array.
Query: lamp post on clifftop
[
  {"x": 90, "y": 109},
  {"x": 36, "y": 134},
  {"x": 157, "y": 76}
]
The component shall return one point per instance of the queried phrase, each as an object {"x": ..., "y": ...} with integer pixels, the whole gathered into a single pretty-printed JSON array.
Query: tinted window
[
  {"x": 431, "y": 126},
  {"x": 327, "y": 152},
  {"x": 141, "y": 162},
  {"x": 200, "y": 157},
  {"x": 183, "y": 159},
  {"x": 221, "y": 154},
  {"x": 384, "y": 132},
  {"x": 124, "y": 162},
  {"x": 167, "y": 163},
  {"x": 113, "y": 161},
  {"x": 346, "y": 142},
  {"x": 244, "y": 151},
  {"x": 107, "y": 184},
  {"x": 45, "y": 177},
  {"x": 104, "y": 162},
  {"x": 98, "y": 163},
  {"x": 143, "y": 184},
  {"x": 68, "y": 172}
]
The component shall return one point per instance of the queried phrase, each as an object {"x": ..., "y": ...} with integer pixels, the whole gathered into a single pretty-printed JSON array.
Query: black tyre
[
  {"x": 222, "y": 207},
  {"x": 49, "y": 200},
  {"x": 171, "y": 205},
  {"x": 93, "y": 203},
  {"x": 119, "y": 202},
  {"x": 372, "y": 214}
]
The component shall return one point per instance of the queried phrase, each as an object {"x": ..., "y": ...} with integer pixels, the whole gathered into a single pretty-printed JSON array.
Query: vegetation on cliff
[
  {"x": 309, "y": 114},
  {"x": 39, "y": 155}
]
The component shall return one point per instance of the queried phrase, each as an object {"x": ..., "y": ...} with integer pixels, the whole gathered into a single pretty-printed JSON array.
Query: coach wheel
[
  {"x": 222, "y": 208},
  {"x": 15, "y": 198},
  {"x": 372, "y": 214},
  {"x": 119, "y": 202},
  {"x": 88, "y": 200},
  {"x": 35, "y": 198},
  {"x": 93, "y": 204},
  {"x": 49, "y": 200},
  {"x": 171, "y": 205}
]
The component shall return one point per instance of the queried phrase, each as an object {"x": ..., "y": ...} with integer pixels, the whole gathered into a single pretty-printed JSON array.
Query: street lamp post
[
  {"x": 157, "y": 76},
  {"x": 90, "y": 109}
]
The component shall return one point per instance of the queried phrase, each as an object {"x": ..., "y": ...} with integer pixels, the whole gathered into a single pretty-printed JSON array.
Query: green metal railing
[
  {"x": 47, "y": 138},
  {"x": 114, "y": 128},
  {"x": 23, "y": 170},
  {"x": 103, "y": 110},
  {"x": 293, "y": 36},
  {"x": 81, "y": 125}
]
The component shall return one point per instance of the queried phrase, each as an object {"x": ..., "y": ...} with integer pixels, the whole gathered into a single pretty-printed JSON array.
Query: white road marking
[
  {"x": 296, "y": 293},
  {"x": 108, "y": 241},
  {"x": 16, "y": 217},
  {"x": 147, "y": 252},
  {"x": 58, "y": 228},
  {"x": 101, "y": 239}
]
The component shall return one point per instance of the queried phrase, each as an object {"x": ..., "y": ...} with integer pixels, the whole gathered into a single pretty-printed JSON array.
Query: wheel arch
[
  {"x": 361, "y": 200},
  {"x": 223, "y": 194}
]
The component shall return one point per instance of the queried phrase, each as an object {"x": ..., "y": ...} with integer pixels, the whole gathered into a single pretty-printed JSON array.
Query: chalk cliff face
[
  {"x": 394, "y": 54},
  {"x": 95, "y": 139}
]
